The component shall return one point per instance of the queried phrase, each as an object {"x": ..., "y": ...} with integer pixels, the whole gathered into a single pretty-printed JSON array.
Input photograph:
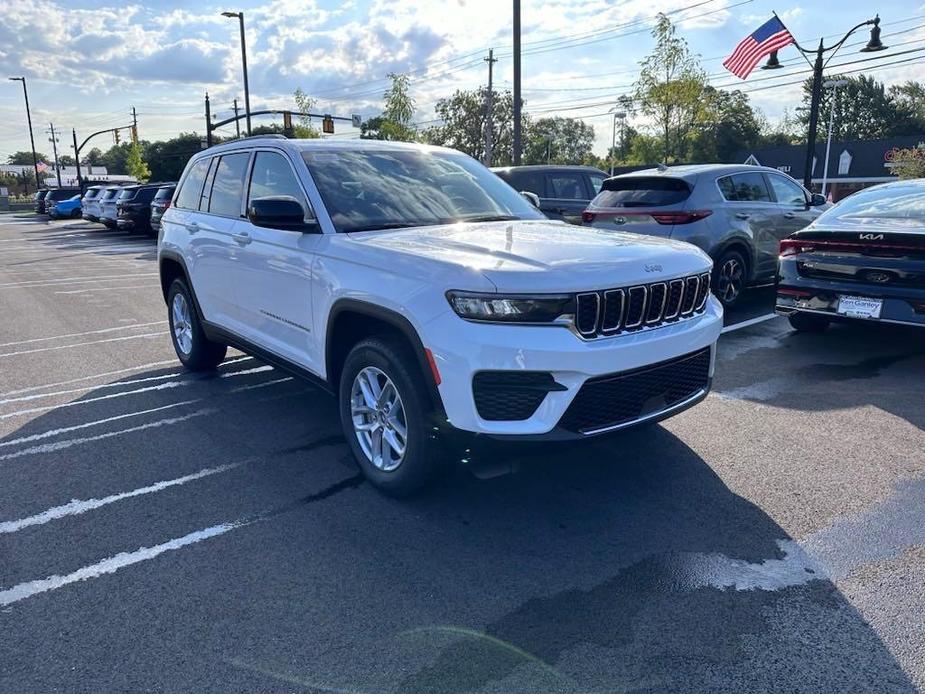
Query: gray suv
[{"x": 736, "y": 213}]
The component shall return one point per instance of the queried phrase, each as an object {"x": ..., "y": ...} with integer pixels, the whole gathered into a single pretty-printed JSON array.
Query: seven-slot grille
[{"x": 613, "y": 311}]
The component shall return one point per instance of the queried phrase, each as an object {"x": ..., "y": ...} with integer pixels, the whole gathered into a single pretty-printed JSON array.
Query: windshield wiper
[
  {"x": 395, "y": 225},
  {"x": 490, "y": 218}
]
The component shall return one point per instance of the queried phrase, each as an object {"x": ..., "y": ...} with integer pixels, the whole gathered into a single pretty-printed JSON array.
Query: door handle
[
  {"x": 742, "y": 215},
  {"x": 243, "y": 238},
  {"x": 789, "y": 215}
]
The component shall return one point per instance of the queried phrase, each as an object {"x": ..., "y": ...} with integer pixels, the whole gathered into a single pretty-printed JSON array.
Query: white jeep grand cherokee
[{"x": 424, "y": 292}]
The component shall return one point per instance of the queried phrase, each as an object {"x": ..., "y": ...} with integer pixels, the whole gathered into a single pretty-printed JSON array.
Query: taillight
[
  {"x": 793, "y": 247},
  {"x": 680, "y": 217},
  {"x": 587, "y": 217},
  {"x": 793, "y": 292}
]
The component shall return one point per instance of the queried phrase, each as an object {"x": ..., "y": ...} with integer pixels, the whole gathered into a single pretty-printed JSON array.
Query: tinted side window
[
  {"x": 145, "y": 195},
  {"x": 228, "y": 188},
  {"x": 746, "y": 187},
  {"x": 597, "y": 182},
  {"x": 787, "y": 192},
  {"x": 566, "y": 186},
  {"x": 188, "y": 197},
  {"x": 207, "y": 188},
  {"x": 272, "y": 175},
  {"x": 164, "y": 193},
  {"x": 531, "y": 181}
]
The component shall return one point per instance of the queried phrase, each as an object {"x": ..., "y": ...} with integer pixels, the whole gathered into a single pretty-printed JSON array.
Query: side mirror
[
  {"x": 532, "y": 198},
  {"x": 817, "y": 200},
  {"x": 280, "y": 212}
]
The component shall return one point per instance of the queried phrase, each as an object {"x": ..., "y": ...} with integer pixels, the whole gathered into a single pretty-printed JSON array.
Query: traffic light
[
  {"x": 116, "y": 132},
  {"x": 287, "y": 124},
  {"x": 134, "y": 134},
  {"x": 327, "y": 125}
]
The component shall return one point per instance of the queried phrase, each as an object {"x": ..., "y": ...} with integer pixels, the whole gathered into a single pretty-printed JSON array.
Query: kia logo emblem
[
  {"x": 871, "y": 237},
  {"x": 878, "y": 277}
]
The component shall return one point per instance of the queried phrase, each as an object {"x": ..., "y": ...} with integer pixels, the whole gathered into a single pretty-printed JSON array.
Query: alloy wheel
[
  {"x": 182, "y": 326},
  {"x": 730, "y": 279},
  {"x": 379, "y": 421}
]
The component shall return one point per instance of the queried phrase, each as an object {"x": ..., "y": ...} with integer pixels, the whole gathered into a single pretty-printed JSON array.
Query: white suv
[{"x": 426, "y": 293}]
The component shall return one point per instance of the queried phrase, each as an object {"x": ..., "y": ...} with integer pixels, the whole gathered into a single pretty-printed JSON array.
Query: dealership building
[{"x": 852, "y": 165}]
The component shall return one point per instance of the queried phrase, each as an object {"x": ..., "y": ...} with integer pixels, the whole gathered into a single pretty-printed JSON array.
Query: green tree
[
  {"x": 135, "y": 163},
  {"x": 909, "y": 163},
  {"x": 729, "y": 125},
  {"x": 93, "y": 158},
  {"x": 463, "y": 124},
  {"x": 66, "y": 160},
  {"x": 24, "y": 158},
  {"x": 167, "y": 158},
  {"x": 669, "y": 90},
  {"x": 909, "y": 98},
  {"x": 305, "y": 129},
  {"x": 558, "y": 141},
  {"x": 114, "y": 158},
  {"x": 864, "y": 110},
  {"x": 399, "y": 110}
]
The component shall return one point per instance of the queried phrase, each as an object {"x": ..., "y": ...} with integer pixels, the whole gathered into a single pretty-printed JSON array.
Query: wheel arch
[
  {"x": 172, "y": 266},
  {"x": 351, "y": 320},
  {"x": 737, "y": 243}
]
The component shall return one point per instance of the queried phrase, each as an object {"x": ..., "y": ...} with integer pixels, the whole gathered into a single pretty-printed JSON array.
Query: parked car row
[
  {"x": 49, "y": 201},
  {"x": 135, "y": 208}
]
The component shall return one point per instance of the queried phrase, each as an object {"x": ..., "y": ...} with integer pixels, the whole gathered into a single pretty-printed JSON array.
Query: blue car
[{"x": 66, "y": 209}]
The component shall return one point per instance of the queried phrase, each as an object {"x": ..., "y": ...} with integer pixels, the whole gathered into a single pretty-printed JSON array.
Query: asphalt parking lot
[{"x": 168, "y": 532}]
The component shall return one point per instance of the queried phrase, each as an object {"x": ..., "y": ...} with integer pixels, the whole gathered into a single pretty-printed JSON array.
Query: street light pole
[
  {"x": 833, "y": 85},
  {"x": 873, "y": 45},
  {"x": 517, "y": 133},
  {"x": 247, "y": 92},
  {"x": 621, "y": 116},
  {"x": 35, "y": 160}
]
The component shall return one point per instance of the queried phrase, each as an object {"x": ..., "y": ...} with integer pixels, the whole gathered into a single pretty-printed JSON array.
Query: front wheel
[
  {"x": 193, "y": 348},
  {"x": 385, "y": 411},
  {"x": 729, "y": 274}
]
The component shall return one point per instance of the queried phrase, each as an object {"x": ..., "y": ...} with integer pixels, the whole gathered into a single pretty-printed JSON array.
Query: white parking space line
[
  {"x": 46, "y": 282},
  {"x": 82, "y": 344},
  {"x": 110, "y": 289},
  {"x": 130, "y": 369},
  {"x": 78, "y": 506},
  {"x": 102, "y": 331},
  {"x": 135, "y": 381},
  {"x": 64, "y": 430},
  {"x": 68, "y": 443},
  {"x": 112, "y": 564},
  {"x": 749, "y": 323}
]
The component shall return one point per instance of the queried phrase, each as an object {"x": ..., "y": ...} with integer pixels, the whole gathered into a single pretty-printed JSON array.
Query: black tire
[
  {"x": 808, "y": 322},
  {"x": 730, "y": 273},
  {"x": 202, "y": 354},
  {"x": 420, "y": 462}
]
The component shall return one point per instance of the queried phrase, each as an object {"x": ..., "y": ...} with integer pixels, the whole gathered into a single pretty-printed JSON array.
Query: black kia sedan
[{"x": 863, "y": 259}]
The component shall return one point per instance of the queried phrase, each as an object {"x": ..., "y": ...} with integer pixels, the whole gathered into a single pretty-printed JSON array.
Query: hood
[{"x": 544, "y": 256}]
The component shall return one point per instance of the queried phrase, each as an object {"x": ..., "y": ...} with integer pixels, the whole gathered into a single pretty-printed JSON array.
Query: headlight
[{"x": 513, "y": 308}]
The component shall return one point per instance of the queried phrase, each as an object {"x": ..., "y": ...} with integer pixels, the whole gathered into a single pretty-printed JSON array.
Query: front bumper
[{"x": 462, "y": 349}]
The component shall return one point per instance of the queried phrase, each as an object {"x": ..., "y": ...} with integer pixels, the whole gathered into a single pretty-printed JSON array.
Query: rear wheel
[
  {"x": 729, "y": 274},
  {"x": 385, "y": 411},
  {"x": 808, "y": 322},
  {"x": 193, "y": 348}
]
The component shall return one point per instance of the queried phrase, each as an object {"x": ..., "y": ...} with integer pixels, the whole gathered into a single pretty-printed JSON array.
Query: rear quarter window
[
  {"x": 187, "y": 196},
  {"x": 642, "y": 191}
]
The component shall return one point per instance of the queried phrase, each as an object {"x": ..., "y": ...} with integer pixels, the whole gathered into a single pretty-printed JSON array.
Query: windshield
[
  {"x": 895, "y": 202},
  {"x": 388, "y": 189}
]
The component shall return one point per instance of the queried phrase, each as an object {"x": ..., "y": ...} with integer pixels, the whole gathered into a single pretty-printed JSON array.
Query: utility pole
[
  {"x": 35, "y": 160},
  {"x": 489, "y": 129},
  {"x": 134, "y": 127},
  {"x": 237, "y": 123},
  {"x": 517, "y": 134},
  {"x": 833, "y": 85},
  {"x": 247, "y": 93},
  {"x": 80, "y": 183},
  {"x": 208, "y": 122},
  {"x": 54, "y": 147}
]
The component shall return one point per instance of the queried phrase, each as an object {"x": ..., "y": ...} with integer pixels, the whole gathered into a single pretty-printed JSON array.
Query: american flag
[{"x": 769, "y": 37}]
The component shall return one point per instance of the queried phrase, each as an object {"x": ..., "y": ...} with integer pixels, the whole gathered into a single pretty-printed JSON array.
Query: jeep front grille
[{"x": 613, "y": 311}]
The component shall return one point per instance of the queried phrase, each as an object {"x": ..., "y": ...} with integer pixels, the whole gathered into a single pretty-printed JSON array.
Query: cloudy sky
[{"x": 89, "y": 62}]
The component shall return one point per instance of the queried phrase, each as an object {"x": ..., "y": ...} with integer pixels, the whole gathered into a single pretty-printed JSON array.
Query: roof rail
[{"x": 272, "y": 136}]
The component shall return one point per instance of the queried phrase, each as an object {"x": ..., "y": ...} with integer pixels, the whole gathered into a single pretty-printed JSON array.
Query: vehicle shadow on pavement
[
  {"x": 642, "y": 568},
  {"x": 79, "y": 239},
  {"x": 626, "y": 564},
  {"x": 849, "y": 365}
]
